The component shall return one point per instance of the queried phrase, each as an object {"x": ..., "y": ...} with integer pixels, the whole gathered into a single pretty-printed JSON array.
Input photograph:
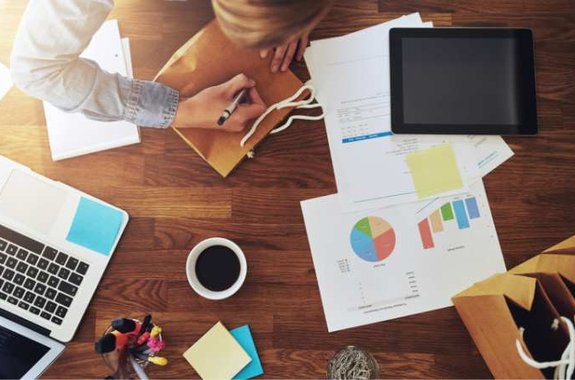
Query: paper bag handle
[
  {"x": 564, "y": 367},
  {"x": 305, "y": 103}
]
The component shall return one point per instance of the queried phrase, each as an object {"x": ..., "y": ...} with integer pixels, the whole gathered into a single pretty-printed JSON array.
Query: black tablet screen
[{"x": 460, "y": 81}]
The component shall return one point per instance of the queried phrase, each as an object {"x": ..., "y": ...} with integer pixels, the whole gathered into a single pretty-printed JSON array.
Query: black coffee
[{"x": 217, "y": 268}]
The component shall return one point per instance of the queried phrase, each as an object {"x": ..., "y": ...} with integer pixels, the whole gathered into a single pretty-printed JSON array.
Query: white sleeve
[{"x": 45, "y": 63}]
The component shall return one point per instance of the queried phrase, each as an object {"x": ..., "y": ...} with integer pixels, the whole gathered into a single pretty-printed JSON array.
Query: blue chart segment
[
  {"x": 372, "y": 239},
  {"x": 472, "y": 208},
  {"x": 460, "y": 215},
  {"x": 363, "y": 246}
]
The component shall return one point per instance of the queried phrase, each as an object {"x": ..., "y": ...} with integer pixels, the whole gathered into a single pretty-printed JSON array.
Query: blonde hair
[{"x": 267, "y": 23}]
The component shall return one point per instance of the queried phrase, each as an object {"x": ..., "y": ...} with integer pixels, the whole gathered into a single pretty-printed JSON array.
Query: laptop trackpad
[{"x": 31, "y": 202}]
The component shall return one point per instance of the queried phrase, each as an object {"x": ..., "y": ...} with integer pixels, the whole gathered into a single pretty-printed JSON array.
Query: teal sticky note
[
  {"x": 95, "y": 226},
  {"x": 244, "y": 337}
]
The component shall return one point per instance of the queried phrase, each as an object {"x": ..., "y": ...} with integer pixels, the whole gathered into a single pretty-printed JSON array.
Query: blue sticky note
[
  {"x": 95, "y": 226},
  {"x": 244, "y": 337}
]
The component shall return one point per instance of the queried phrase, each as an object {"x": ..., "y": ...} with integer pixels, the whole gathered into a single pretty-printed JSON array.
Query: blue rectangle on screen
[
  {"x": 460, "y": 215},
  {"x": 366, "y": 137},
  {"x": 472, "y": 208}
]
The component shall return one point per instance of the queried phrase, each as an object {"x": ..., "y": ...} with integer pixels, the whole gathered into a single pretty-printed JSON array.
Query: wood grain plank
[
  {"x": 176, "y": 201},
  {"x": 181, "y": 234},
  {"x": 488, "y": 7},
  {"x": 172, "y": 201}
]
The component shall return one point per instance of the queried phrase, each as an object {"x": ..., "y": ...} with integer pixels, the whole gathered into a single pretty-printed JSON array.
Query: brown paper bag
[
  {"x": 531, "y": 295},
  {"x": 557, "y": 291},
  {"x": 209, "y": 59}
]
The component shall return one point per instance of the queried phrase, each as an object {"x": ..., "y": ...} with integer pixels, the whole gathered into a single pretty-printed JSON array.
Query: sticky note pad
[
  {"x": 217, "y": 355},
  {"x": 244, "y": 337},
  {"x": 95, "y": 226},
  {"x": 434, "y": 170}
]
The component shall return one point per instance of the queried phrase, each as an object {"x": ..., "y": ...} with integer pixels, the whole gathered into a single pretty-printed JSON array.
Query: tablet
[{"x": 462, "y": 81}]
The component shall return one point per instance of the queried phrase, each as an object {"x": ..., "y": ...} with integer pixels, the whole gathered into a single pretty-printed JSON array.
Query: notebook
[
  {"x": 73, "y": 134},
  {"x": 209, "y": 59},
  {"x": 217, "y": 355}
]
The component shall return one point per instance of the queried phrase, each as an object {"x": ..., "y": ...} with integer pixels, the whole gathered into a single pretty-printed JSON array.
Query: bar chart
[{"x": 456, "y": 214}]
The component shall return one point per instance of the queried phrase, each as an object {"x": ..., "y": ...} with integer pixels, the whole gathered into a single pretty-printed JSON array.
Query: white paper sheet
[
  {"x": 5, "y": 80},
  {"x": 127, "y": 57},
  {"x": 73, "y": 134},
  {"x": 403, "y": 277},
  {"x": 351, "y": 75}
]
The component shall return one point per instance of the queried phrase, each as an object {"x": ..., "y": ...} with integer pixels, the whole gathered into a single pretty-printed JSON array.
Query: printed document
[
  {"x": 351, "y": 75},
  {"x": 391, "y": 262}
]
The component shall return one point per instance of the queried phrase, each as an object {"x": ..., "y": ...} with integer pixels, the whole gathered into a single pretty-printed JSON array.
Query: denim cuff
[{"x": 151, "y": 104}]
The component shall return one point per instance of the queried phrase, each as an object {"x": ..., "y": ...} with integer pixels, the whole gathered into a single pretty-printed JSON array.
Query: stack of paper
[
  {"x": 411, "y": 224},
  {"x": 73, "y": 134},
  {"x": 351, "y": 75},
  {"x": 223, "y": 354}
]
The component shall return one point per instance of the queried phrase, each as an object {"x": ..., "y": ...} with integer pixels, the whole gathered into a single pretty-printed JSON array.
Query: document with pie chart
[{"x": 386, "y": 263}]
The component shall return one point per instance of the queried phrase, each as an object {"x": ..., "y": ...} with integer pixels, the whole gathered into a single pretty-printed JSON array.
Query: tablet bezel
[{"x": 529, "y": 101}]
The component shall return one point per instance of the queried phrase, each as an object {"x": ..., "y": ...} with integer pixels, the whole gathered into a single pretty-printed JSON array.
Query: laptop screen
[{"x": 18, "y": 354}]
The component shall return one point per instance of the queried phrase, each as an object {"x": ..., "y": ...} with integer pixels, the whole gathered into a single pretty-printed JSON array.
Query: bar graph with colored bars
[{"x": 460, "y": 211}]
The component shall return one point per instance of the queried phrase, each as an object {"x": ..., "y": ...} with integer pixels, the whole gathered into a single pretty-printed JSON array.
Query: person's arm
[{"x": 45, "y": 63}]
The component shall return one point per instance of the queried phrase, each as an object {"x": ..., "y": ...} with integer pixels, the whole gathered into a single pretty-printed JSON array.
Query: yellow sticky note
[
  {"x": 217, "y": 355},
  {"x": 434, "y": 170}
]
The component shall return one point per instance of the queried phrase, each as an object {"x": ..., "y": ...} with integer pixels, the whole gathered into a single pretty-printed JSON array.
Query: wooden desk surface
[{"x": 175, "y": 201}]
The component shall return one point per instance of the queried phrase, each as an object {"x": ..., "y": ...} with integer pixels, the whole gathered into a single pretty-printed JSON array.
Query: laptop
[{"x": 55, "y": 243}]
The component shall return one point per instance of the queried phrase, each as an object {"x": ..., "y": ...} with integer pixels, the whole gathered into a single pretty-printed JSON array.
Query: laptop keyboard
[{"x": 37, "y": 277}]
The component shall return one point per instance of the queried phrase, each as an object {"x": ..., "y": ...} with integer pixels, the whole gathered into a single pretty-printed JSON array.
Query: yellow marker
[
  {"x": 158, "y": 360},
  {"x": 156, "y": 330}
]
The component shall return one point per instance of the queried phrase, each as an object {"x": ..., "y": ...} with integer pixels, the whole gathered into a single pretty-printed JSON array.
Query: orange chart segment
[
  {"x": 378, "y": 226},
  {"x": 384, "y": 244}
]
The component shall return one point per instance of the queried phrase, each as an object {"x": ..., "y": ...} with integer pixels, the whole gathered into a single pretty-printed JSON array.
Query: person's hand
[
  {"x": 284, "y": 54},
  {"x": 204, "y": 109}
]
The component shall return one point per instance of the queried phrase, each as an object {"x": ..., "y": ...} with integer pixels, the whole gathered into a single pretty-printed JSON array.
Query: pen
[
  {"x": 145, "y": 324},
  {"x": 142, "y": 338},
  {"x": 232, "y": 107}
]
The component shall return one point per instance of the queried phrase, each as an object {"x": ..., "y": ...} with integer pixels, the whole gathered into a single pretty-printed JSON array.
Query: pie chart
[{"x": 372, "y": 239}]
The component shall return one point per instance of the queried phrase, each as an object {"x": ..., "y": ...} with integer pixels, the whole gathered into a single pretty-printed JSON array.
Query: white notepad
[
  {"x": 73, "y": 134},
  {"x": 5, "y": 80}
]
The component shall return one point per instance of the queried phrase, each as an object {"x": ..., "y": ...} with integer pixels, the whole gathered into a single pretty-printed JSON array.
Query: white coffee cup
[{"x": 191, "y": 268}]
